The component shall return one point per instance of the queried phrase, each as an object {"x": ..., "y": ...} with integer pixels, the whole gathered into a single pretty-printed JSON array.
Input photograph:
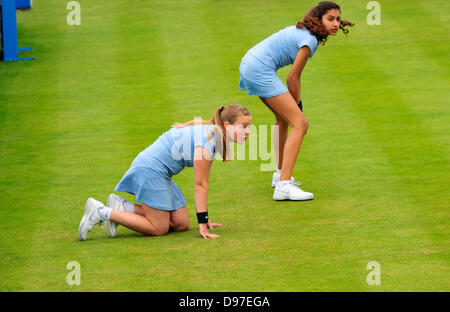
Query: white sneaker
[
  {"x": 114, "y": 202},
  {"x": 276, "y": 179},
  {"x": 90, "y": 218},
  {"x": 286, "y": 190}
]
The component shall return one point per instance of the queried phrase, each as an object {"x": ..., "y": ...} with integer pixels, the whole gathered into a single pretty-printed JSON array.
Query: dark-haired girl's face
[{"x": 331, "y": 20}]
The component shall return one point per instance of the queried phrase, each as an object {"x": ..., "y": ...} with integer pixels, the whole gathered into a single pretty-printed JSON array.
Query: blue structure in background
[
  {"x": 9, "y": 29},
  {"x": 23, "y": 4}
]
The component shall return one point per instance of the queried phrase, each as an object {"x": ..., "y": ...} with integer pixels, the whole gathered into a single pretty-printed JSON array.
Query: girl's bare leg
[
  {"x": 153, "y": 222},
  {"x": 179, "y": 219},
  {"x": 279, "y": 140},
  {"x": 139, "y": 210},
  {"x": 286, "y": 108}
]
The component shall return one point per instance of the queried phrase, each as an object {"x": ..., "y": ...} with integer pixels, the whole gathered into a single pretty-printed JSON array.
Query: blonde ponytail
[{"x": 228, "y": 113}]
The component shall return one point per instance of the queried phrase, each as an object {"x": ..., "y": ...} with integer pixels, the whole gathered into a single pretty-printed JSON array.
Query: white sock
[
  {"x": 284, "y": 182},
  {"x": 104, "y": 213},
  {"x": 129, "y": 206},
  {"x": 279, "y": 171}
]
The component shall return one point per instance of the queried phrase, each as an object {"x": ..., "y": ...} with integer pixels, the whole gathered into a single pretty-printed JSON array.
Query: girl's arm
[
  {"x": 202, "y": 168},
  {"x": 293, "y": 78}
]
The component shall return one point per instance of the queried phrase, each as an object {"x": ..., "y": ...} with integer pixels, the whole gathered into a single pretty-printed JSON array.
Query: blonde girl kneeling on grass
[{"x": 163, "y": 205}]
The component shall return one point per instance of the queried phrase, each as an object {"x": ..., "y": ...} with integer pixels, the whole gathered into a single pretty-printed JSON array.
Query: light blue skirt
[
  {"x": 152, "y": 188},
  {"x": 258, "y": 79}
]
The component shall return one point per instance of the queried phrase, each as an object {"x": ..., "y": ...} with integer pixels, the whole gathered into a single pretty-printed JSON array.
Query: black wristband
[
  {"x": 300, "y": 105},
  {"x": 202, "y": 217}
]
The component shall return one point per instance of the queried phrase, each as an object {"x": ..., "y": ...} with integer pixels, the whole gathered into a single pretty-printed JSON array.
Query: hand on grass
[
  {"x": 213, "y": 225},
  {"x": 203, "y": 227}
]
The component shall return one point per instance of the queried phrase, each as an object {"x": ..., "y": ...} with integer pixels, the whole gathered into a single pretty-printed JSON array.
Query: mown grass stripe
[{"x": 412, "y": 173}]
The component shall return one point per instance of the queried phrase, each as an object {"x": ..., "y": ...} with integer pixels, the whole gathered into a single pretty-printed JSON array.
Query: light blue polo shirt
[
  {"x": 174, "y": 149},
  {"x": 281, "y": 48}
]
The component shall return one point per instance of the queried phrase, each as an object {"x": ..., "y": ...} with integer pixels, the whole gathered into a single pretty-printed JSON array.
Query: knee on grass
[
  {"x": 157, "y": 230},
  {"x": 180, "y": 227},
  {"x": 164, "y": 229}
]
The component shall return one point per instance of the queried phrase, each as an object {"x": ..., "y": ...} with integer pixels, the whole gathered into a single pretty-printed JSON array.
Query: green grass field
[{"x": 376, "y": 155}]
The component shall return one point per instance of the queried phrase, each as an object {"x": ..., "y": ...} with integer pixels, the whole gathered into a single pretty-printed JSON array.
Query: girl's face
[
  {"x": 331, "y": 21},
  {"x": 240, "y": 130}
]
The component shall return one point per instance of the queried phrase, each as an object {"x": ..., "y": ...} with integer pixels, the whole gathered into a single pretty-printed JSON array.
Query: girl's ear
[{"x": 226, "y": 124}]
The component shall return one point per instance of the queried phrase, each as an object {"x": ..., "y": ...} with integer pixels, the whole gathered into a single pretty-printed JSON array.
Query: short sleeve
[
  {"x": 201, "y": 138},
  {"x": 310, "y": 42}
]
